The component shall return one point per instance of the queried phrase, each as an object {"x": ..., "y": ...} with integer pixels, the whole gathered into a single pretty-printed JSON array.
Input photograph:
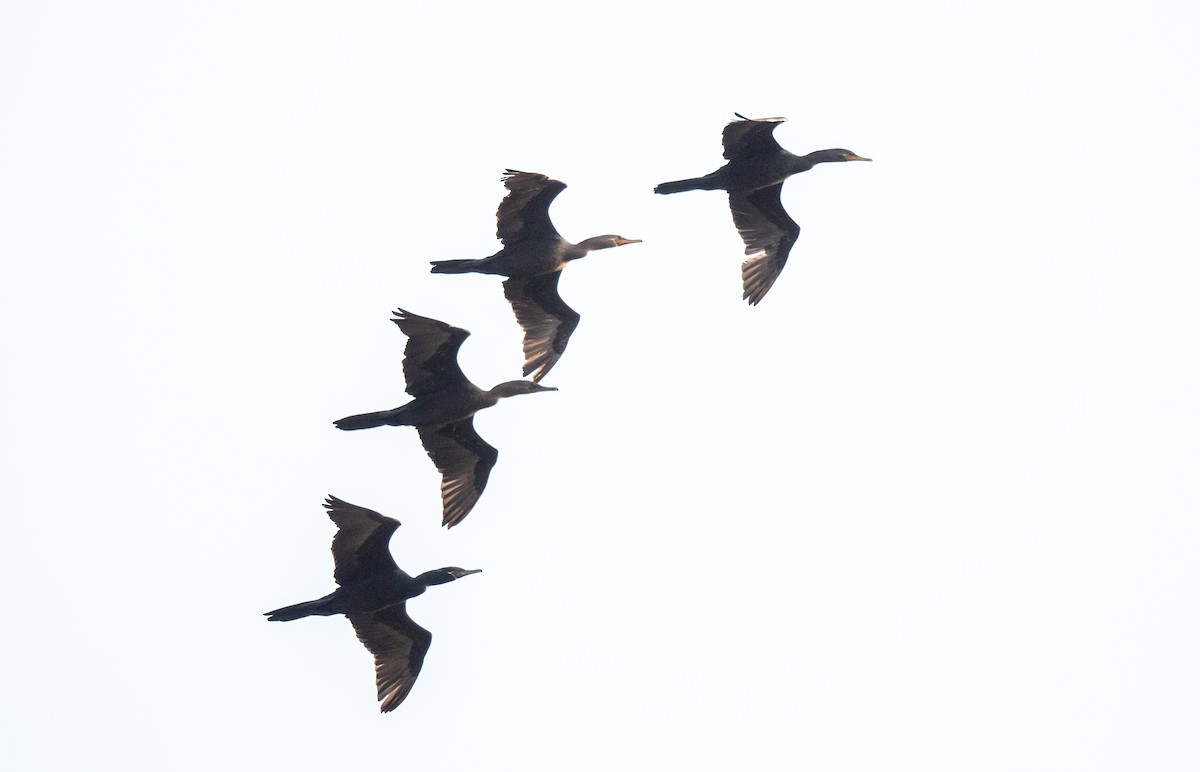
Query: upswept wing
[
  {"x": 750, "y": 136},
  {"x": 399, "y": 646},
  {"x": 769, "y": 234},
  {"x": 465, "y": 462},
  {"x": 524, "y": 213},
  {"x": 431, "y": 354},
  {"x": 547, "y": 321},
  {"x": 360, "y": 546}
]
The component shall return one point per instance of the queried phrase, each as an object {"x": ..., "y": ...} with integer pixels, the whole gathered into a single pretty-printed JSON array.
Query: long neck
[
  {"x": 590, "y": 245},
  {"x": 430, "y": 578},
  {"x": 802, "y": 163},
  {"x": 508, "y": 389}
]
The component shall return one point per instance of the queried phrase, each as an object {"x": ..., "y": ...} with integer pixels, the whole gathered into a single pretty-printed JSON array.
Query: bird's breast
[
  {"x": 375, "y": 593},
  {"x": 534, "y": 258},
  {"x": 443, "y": 407}
]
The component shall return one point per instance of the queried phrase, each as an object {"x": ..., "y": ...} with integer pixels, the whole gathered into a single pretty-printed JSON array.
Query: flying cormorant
[
  {"x": 443, "y": 405},
  {"x": 533, "y": 256},
  {"x": 372, "y": 591},
  {"x": 754, "y": 176}
]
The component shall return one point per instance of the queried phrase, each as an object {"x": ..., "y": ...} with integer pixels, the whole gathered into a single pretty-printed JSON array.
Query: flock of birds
[{"x": 372, "y": 590}]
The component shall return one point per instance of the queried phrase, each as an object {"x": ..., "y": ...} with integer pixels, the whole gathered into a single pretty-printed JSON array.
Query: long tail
[
  {"x": 679, "y": 186},
  {"x": 455, "y": 266},
  {"x": 370, "y": 420},
  {"x": 299, "y": 610}
]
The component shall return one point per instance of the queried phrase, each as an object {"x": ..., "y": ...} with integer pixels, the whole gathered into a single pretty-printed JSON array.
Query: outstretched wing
[
  {"x": 465, "y": 462},
  {"x": 525, "y": 212},
  {"x": 750, "y": 136},
  {"x": 547, "y": 321},
  {"x": 399, "y": 645},
  {"x": 360, "y": 546},
  {"x": 431, "y": 354},
  {"x": 769, "y": 234}
]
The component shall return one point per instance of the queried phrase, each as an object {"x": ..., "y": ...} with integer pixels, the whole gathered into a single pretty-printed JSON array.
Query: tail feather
[
  {"x": 454, "y": 266},
  {"x": 369, "y": 420},
  {"x": 679, "y": 186},
  {"x": 299, "y": 610}
]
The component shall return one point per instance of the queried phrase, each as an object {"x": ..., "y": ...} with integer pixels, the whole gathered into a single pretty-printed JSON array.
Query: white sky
[{"x": 929, "y": 507}]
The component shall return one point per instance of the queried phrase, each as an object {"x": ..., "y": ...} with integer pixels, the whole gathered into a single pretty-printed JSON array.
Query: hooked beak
[
  {"x": 622, "y": 242},
  {"x": 852, "y": 157},
  {"x": 540, "y": 387},
  {"x": 463, "y": 572}
]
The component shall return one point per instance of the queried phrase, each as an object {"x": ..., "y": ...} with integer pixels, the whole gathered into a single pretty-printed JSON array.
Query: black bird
[
  {"x": 533, "y": 256},
  {"x": 372, "y": 591},
  {"x": 443, "y": 405},
  {"x": 754, "y": 178}
]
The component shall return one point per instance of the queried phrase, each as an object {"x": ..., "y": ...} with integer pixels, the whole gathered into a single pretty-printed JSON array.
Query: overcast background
[{"x": 929, "y": 507}]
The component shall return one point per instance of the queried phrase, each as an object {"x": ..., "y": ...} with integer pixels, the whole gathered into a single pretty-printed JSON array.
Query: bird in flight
[
  {"x": 373, "y": 592},
  {"x": 533, "y": 256},
  {"x": 754, "y": 175},
  {"x": 442, "y": 409}
]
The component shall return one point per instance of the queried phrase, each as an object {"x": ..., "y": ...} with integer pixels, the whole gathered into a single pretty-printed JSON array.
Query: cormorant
[
  {"x": 443, "y": 405},
  {"x": 372, "y": 591},
  {"x": 754, "y": 178},
  {"x": 533, "y": 256}
]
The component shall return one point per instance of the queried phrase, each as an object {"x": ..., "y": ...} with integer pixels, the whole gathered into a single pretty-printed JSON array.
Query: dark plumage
[
  {"x": 533, "y": 256},
  {"x": 443, "y": 405},
  {"x": 372, "y": 591},
  {"x": 754, "y": 176}
]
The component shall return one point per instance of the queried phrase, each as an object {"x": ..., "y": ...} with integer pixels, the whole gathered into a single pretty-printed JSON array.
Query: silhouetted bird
[
  {"x": 442, "y": 407},
  {"x": 754, "y": 178},
  {"x": 372, "y": 591},
  {"x": 533, "y": 256}
]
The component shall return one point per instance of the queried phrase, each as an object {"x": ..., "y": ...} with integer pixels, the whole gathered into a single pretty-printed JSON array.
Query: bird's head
[
  {"x": 443, "y": 575},
  {"x": 836, "y": 154},
  {"x": 606, "y": 242},
  {"x": 513, "y": 388}
]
